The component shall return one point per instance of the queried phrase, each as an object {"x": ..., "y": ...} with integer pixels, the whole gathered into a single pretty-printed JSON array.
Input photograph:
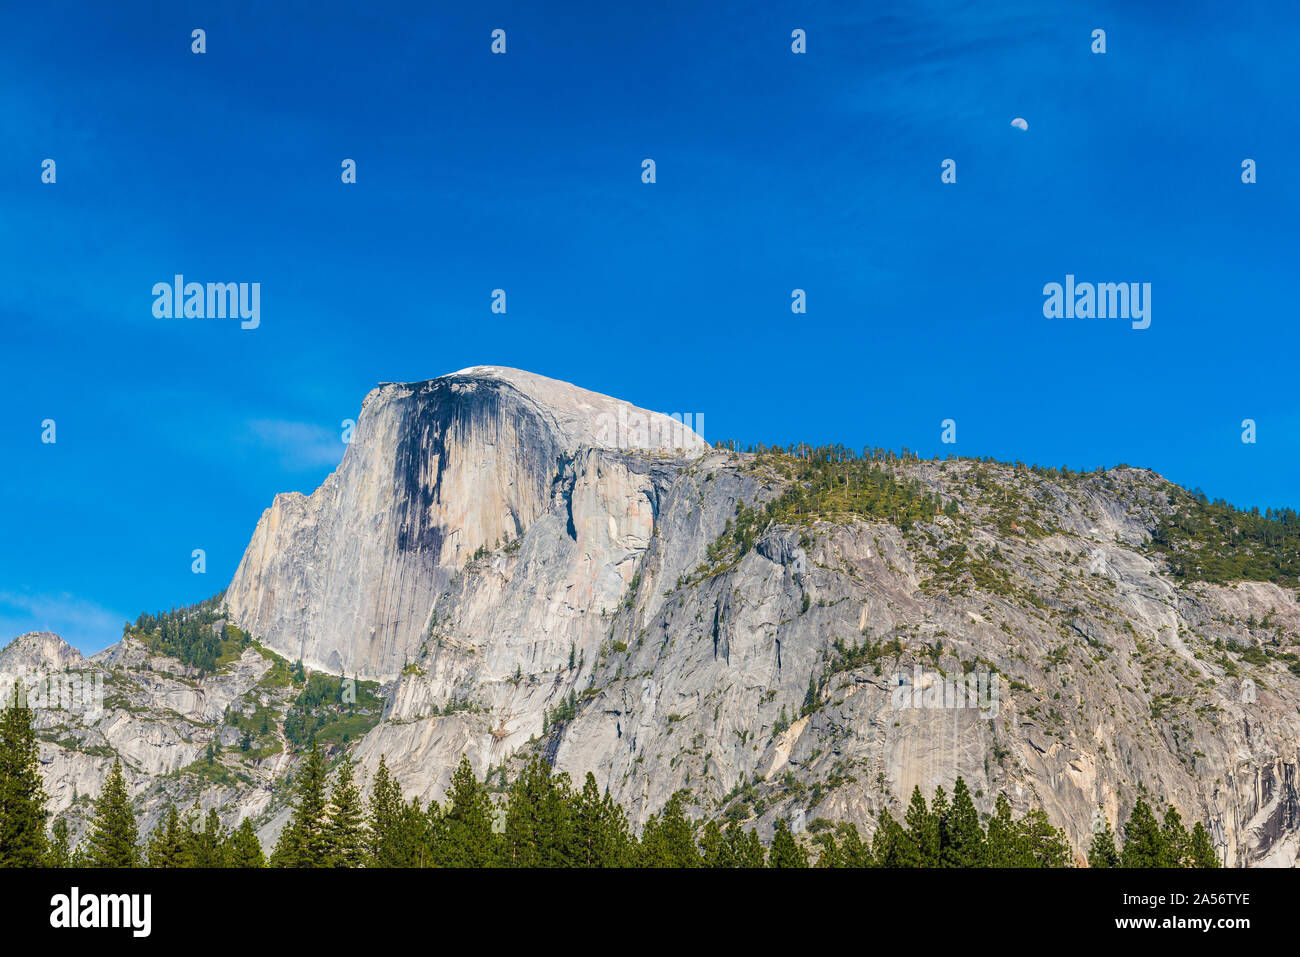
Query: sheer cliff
[{"x": 436, "y": 471}]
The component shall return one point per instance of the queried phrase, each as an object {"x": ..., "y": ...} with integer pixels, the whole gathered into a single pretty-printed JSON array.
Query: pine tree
[
  {"x": 1102, "y": 851},
  {"x": 58, "y": 852},
  {"x": 829, "y": 854},
  {"x": 923, "y": 829},
  {"x": 786, "y": 851},
  {"x": 1202, "y": 850},
  {"x": 396, "y": 831},
  {"x": 113, "y": 833},
  {"x": 1178, "y": 843},
  {"x": 1144, "y": 844},
  {"x": 668, "y": 839},
  {"x": 810, "y": 697},
  {"x": 383, "y": 811},
  {"x": 245, "y": 850},
  {"x": 602, "y": 837},
  {"x": 207, "y": 844},
  {"x": 961, "y": 836},
  {"x": 345, "y": 839},
  {"x": 167, "y": 846},
  {"x": 1003, "y": 847},
  {"x": 435, "y": 835},
  {"x": 892, "y": 846},
  {"x": 939, "y": 810},
  {"x": 853, "y": 851},
  {"x": 302, "y": 842},
  {"x": 461, "y": 834},
  {"x": 714, "y": 850},
  {"x": 1041, "y": 845},
  {"x": 744, "y": 847},
  {"x": 539, "y": 827},
  {"x": 22, "y": 793}
]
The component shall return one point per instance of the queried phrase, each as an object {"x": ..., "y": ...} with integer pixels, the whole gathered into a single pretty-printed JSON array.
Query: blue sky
[{"x": 775, "y": 171}]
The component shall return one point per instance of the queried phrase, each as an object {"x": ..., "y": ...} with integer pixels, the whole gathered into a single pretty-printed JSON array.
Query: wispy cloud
[
  {"x": 82, "y": 623},
  {"x": 301, "y": 445}
]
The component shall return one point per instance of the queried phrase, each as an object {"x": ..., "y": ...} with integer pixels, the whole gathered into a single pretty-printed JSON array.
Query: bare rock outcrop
[{"x": 436, "y": 472}]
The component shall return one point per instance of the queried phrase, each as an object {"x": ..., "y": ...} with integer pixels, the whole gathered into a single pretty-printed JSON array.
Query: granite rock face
[
  {"x": 1110, "y": 676},
  {"x": 125, "y": 703},
  {"x": 436, "y": 471},
  {"x": 528, "y": 569}
]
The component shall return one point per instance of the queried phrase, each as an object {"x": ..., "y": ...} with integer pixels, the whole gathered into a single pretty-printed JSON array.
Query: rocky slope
[
  {"x": 524, "y": 578},
  {"x": 150, "y": 711}
]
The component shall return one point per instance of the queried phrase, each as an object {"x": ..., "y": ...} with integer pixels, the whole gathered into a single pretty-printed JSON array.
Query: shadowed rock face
[{"x": 461, "y": 443}]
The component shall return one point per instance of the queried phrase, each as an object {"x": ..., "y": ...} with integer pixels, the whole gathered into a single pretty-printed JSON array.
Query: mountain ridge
[{"x": 733, "y": 624}]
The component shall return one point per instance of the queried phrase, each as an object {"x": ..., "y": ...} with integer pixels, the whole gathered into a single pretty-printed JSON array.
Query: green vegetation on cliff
[
  {"x": 332, "y": 710},
  {"x": 196, "y": 635},
  {"x": 1216, "y": 542}
]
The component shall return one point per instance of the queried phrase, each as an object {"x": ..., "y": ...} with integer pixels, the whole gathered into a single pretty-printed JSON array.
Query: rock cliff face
[
  {"x": 346, "y": 578},
  {"x": 149, "y": 711},
  {"x": 531, "y": 567},
  {"x": 1109, "y": 675}
]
